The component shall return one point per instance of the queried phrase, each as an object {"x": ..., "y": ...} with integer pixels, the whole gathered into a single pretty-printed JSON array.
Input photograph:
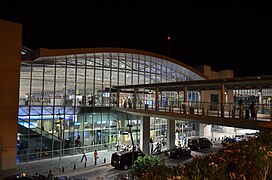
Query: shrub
[
  {"x": 144, "y": 164},
  {"x": 244, "y": 160}
]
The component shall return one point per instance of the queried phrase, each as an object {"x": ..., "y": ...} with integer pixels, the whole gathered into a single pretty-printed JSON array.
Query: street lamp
[
  {"x": 132, "y": 143},
  {"x": 61, "y": 138}
]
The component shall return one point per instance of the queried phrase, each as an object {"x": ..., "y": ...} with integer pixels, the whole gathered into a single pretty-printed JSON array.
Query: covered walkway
[{"x": 225, "y": 112}]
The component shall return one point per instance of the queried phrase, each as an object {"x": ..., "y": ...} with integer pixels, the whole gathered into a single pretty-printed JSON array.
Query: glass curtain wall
[{"x": 65, "y": 100}]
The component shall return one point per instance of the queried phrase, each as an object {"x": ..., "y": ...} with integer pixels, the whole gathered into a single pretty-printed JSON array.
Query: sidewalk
[{"x": 71, "y": 165}]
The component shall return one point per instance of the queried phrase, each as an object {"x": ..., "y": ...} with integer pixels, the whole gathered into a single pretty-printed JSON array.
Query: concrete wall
[
  {"x": 206, "y": 70},
  {"x": 10, "y": 46}
]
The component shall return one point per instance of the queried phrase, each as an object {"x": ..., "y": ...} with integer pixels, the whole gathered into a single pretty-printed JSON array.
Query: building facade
[{"x": 66, "y": 97}]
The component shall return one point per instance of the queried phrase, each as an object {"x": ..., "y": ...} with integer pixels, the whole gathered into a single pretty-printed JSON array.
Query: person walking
[
  {"x": 95, "y": 157},
  {"x": 83, "y": 155}
]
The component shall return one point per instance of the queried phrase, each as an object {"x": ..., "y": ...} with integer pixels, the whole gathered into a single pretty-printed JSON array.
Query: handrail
[{"x": 230, "y": 110}]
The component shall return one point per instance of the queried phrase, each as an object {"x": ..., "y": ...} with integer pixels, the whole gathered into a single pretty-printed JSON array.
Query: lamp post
[
  {"x": 131, "y": 137},
  {"x": 132, "y": 143},
  {"x": 61, "y": 123}
]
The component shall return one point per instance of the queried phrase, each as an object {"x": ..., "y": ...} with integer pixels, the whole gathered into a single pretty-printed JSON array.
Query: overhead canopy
[{"x": 255, "y": 82}]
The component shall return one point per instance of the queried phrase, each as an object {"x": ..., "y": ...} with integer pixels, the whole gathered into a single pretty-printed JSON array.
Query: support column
[
  {"x": 135, "y": 98},
  {"x": 222, "y": 99},
  {"x": 157, "y": 98},
  {"x": 261, "y": 105},
  {"x": 10, "y": 59},
  {"x": 171, "y": 123},
  {"x": 118, "y": 97},
  {"x": 185, "y": 99},
  {"x": 145, "y": 134},
  {"x": 178, "y": 99}
]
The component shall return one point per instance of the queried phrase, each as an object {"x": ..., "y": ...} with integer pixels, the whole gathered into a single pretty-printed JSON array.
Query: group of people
[
  {"x": 158, "y": 146},
  {"x": 95, "y": 155},
  {"x": 128, "y": 103},
  {"x": 252, "y": 109}
]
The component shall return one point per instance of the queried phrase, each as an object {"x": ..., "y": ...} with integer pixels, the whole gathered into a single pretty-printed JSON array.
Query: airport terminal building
[{"x": 66, "y": 97}]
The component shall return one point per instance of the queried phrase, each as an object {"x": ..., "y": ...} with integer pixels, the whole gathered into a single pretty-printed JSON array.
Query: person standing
[
  {"x": 129, "y": 103},
  {"x": 117, "y": 146},
  {"x": 253, "y": 111},
  {"x": 151, "y": 145},
  {"x": 83, "y": 155},
  {"x": 95, "y": 157}
]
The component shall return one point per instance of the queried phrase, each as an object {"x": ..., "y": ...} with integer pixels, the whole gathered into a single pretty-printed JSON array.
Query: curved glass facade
[{"x": 70, "y": 97}]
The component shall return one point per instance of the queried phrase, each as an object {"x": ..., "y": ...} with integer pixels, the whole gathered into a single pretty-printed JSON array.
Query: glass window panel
[
  {"x": 37, "y": 86},
  {"x": 25, "y": 74},
  {"x": 49, "y": 81},
  {"x": 71, "y": 98}
]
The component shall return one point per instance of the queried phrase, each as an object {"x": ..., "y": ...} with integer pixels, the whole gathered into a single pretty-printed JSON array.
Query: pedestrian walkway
[{"x": 71, "y": 165}]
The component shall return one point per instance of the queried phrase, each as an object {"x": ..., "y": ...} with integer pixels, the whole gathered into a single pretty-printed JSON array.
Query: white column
[
  {"x": 170, "y": 133},
  {"x": 145, "y": 134},
  {"x": 185, "y": 92},
  {"x": 206, "y": 130}
]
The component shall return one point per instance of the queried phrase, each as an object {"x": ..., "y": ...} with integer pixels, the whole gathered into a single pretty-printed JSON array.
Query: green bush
[
  {"x": 144, "y": 164},
  {"x": 244, "y": 160}
]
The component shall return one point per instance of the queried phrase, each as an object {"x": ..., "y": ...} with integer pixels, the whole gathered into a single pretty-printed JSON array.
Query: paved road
[
  {"x": 107, "y": 172},
  {"x": 73, "y": 167}
]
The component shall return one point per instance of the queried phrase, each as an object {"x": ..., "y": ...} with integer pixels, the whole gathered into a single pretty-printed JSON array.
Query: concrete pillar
[
  {"x": 118, "y": 97},
  {"x": 10, "y": 59},
  {"x": 157, "y": 98},
  {"x": 261, "y": 105},
  {"x": 178, "y": 99},
  {"x": 230, "y": 99},
  {"x": 145, "y": 134},
  {"x": 185, "y": 93},
  {"x": 135, "y": 98},
  {"x": 171, "y": 123},
  {"x": 185, "y": 99},
  {"x": 222, "y": 99},
  {"x": 206, "y": 130}
]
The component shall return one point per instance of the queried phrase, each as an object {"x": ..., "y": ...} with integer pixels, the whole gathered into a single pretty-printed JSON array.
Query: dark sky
[{"x": 227, "y": 35}]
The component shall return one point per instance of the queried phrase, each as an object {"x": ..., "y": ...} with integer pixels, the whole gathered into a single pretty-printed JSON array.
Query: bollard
[
  {"x": 62, "y": 169},
  {"x": 104, "y": 160},
  {"x": 74, "y": 166},
  {"x": 50, "y": 174}
]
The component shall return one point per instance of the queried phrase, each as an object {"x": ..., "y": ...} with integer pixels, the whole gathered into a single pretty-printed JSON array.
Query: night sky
[{"x": 227, "y": 35}]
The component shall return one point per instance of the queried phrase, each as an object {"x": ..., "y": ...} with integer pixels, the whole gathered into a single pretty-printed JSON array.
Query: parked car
[
  {"x": 123, "y": 159},
  {"x": 227, "y": 141},
  {"x": 178, "y": 151},
  {"x": 199, "y": 143}
]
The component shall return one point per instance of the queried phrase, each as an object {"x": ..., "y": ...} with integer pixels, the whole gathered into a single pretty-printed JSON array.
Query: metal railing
[{"x": 227, "y": 110}]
